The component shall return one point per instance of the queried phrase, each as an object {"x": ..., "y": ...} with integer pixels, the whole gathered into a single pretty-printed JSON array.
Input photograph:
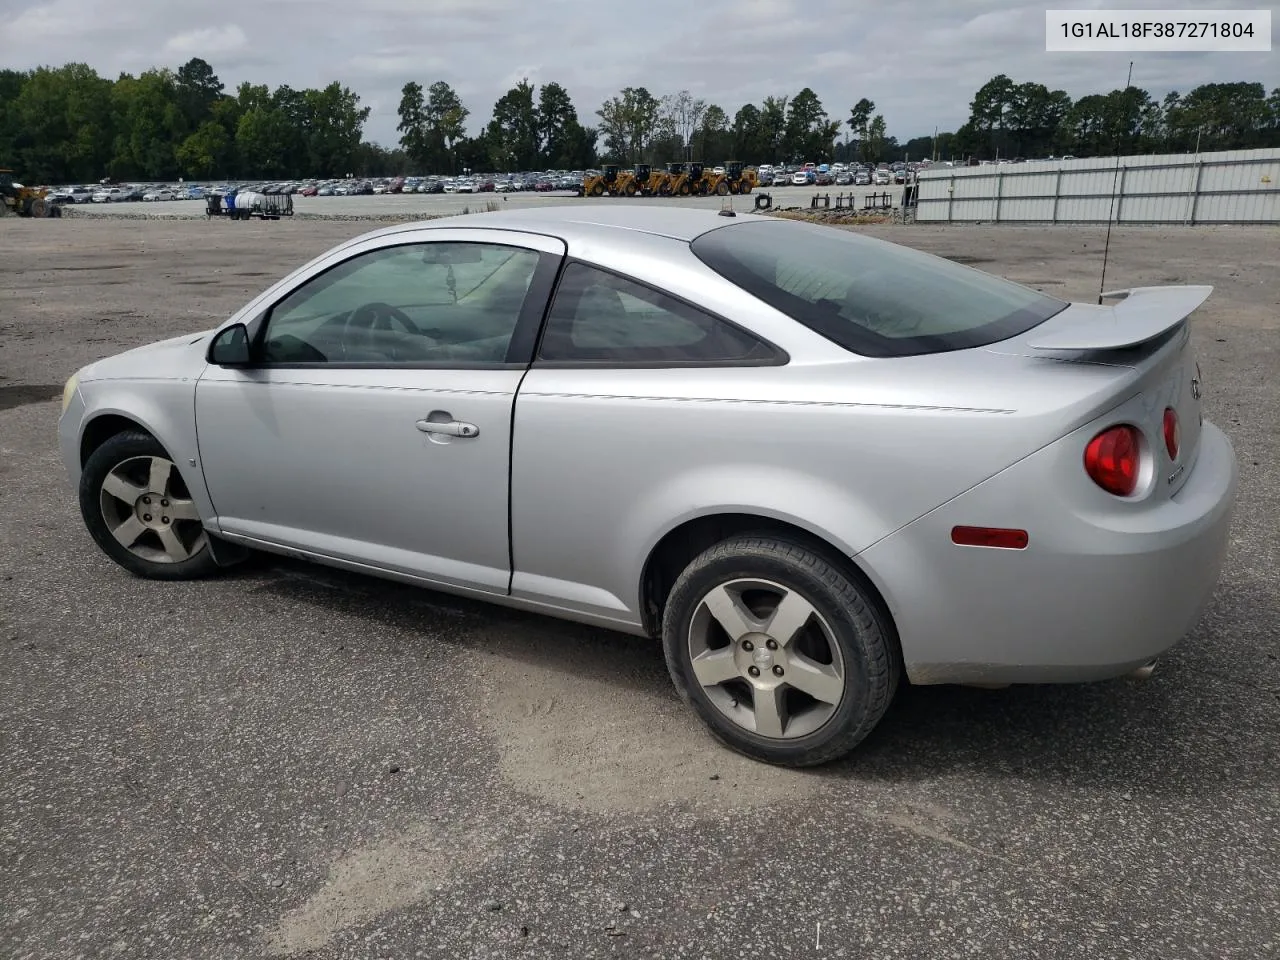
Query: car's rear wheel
[
  {"x": 784, "y": 657},
  {"x": 140, "y": 512}
]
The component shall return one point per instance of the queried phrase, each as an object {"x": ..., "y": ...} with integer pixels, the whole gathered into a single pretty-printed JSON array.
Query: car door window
[
  {"x": 601, "y": 317},
  {"x": 433, "y": 302}
]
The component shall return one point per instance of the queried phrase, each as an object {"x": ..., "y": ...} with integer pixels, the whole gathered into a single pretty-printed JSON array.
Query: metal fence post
[
  {"x": 951, "y": 196},
  {"x": 1120, "y": 193},
  {"x": 999, "y": 193},
  {"x": 1057, "y": 193},
  {"x": 1195, "y": 192}
]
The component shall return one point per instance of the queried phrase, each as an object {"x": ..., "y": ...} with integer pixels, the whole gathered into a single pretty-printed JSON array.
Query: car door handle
[{"x": 451, "y": 428}]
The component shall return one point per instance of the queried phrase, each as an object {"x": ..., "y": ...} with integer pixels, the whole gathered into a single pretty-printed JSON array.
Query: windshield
[{"x": 871, "y": 297}]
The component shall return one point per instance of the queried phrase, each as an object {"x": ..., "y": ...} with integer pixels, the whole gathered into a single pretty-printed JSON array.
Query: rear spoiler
[{"x": 1142, "y": 314}]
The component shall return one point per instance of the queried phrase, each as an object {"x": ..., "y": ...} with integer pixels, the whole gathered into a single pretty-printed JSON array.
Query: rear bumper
[{"x": 1096, "y": 594}]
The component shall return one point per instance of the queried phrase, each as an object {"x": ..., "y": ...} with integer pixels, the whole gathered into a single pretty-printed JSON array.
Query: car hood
[{"x": 177, "y": 358}]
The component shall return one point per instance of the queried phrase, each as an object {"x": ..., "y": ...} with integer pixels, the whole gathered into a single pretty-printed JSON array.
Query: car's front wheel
[
  {"x": 782, "y": 654},
  {"x": 140, "y": 512}
]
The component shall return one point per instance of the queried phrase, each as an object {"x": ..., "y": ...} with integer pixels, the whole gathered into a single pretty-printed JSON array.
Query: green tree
[
  {"x": 748, "y": 135},
  {"x": 415, "y": 138},
  {"x": 714, "y": 140},
  {"x": 335, "y": 134},
  {"x": 261, "y": 142},
  {"x": 1227, "y": 116},
  {"x": 446, "y": 124},
  {"x": 773, "y": 127},
  {"x": 197, "y": 89},
  {"x": 60, "y": 120},
  {"x": 989, "y": 109},
  {"x": 809, "y": 132},
  {"x": 206, "y": 152},
  {"x": 859, "y": 117},
  {"x": 562, "y": 138},
  {"x": 1033, "y": 117},
  {"x": 679, "y": 118},
  {"x": 513, "y": 132},
  {"x": 628, "y": 123},
  {"x": 149, "y": 123},
  {"x": 874, "y": 147}
]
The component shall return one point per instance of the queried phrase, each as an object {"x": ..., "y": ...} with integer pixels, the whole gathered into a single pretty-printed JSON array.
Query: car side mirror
[{"x": 230, "y": 348}]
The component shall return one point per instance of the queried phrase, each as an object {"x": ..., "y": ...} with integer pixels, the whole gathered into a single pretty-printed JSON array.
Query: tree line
[
  {"x": 68, "y": 124},
  {"x": 1009, "y": 119}
]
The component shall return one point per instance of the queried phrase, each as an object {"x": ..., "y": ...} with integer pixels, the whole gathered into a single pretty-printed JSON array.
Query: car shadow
[{"x": 1194, "y": 727}]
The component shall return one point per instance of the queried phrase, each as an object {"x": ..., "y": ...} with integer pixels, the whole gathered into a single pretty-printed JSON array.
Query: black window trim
[
  {"x": 779, "y": 356},
  {"x": 520, "y": 351}
]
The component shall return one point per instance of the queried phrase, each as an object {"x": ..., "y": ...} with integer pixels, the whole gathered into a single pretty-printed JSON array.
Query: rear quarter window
[{"x": 874, "y": 298}]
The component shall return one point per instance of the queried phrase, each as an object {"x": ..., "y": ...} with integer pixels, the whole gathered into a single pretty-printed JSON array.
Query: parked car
[
  {"x": 807, "y": 459},
  {"x": 110, "y": 195},
  {"x": 162, "y": 194},
  {"x": 800, "y": 178}
]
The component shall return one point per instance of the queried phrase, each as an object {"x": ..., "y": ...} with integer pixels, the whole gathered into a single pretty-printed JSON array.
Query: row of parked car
[
  {"x": 809, "y": 174},
  {"x": 124, "y": 193},
  {"x": 836, "y": 174},
  {"x": 544, "y": 182}
]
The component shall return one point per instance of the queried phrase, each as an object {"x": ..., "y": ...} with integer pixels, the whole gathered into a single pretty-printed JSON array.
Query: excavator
[{"x": 24, "y": 201}]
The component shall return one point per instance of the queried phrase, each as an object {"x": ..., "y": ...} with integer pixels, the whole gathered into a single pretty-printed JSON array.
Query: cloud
[
  {"x": 920, "y": 61},
  {"x": 207, "y": 43}
]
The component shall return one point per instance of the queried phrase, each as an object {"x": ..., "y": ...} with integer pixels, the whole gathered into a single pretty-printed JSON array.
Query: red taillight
[
  {"x": 1112, "y": 459},
  {"x": 1171, "y": 433},
  {"x": 990, "y": 537}
]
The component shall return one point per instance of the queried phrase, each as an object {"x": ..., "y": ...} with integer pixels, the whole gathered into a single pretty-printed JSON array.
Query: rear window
[{"x": 874, "y": 298}]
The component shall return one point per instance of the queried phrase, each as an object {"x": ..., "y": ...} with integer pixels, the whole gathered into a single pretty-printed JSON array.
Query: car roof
[{"x": 582, "y": 221}]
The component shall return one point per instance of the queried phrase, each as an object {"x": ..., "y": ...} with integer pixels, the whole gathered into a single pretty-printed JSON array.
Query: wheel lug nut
[
  {"x": 748, "y": 646},
  {"x": 164, "y": 519},
  {"x": 771, "y": 644},
  {"x": 754, "y": 671},
  {"x": 146, "y": 499},
  {"x": 164, "y": 503},
  {"x": 147, "y": 517},
  {"x": 777, "y": 671}
]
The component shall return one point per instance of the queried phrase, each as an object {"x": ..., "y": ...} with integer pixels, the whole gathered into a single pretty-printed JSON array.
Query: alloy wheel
[
  {"x": 766, "y": 658},
  {"x": 148, "y": 510}
]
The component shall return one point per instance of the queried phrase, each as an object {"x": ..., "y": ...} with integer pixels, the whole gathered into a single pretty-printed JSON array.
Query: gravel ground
[{"x": 290, "y": 760}]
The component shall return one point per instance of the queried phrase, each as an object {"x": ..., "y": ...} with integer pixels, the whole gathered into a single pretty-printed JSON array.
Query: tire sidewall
[
  {"x": 121, "y": 447},
  {"x": 854, "y": 641}
]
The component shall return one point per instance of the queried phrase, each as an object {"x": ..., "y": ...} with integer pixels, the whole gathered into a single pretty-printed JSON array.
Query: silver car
[{"x": 808, "y": 460}]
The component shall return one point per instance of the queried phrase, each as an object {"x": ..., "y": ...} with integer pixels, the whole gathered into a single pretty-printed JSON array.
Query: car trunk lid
[{"x": 1148, "y": 333}]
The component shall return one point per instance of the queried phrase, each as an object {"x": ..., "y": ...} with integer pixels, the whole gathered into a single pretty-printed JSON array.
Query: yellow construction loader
[
  {"x": 735, "y": 179},
  {"x": 24, "y": 201},
  {"x": 685, "y": 179},
  {"x": 643, "y": 181},
  {"x": 601, "y": 183}
]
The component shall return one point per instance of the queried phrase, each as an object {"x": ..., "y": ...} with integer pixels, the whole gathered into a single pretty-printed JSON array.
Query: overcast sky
[{"x": 920, "y": 61}]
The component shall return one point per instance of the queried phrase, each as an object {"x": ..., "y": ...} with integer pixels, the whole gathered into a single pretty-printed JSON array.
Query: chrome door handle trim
[{"x": 454, "y": 428}]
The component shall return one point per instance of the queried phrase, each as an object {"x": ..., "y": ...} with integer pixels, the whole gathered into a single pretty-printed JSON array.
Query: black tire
[
  {"x": 867, "y": 646},
  {"x": 114, "y": 452}
]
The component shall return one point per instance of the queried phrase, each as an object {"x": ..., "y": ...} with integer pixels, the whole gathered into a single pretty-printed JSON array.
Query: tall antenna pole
[{"x": 1106, "y": 247}]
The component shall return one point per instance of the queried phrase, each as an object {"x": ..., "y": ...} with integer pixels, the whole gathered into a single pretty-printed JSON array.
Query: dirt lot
[{"x": 289, "y": 760}]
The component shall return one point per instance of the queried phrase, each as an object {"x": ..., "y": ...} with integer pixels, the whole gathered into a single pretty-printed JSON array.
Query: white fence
[{"x": 1235, "y": 186}]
